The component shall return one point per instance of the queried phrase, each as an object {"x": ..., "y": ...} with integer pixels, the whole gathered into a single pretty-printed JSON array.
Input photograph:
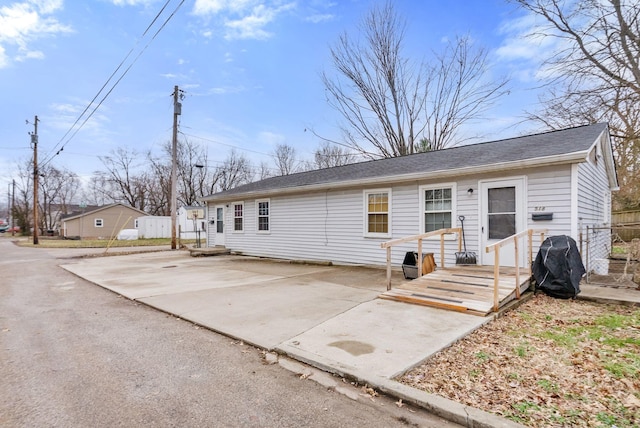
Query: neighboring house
[
  {"x": 191, "y": 219},
  {"x": 102, "y": 222},
  {"x": 560, "y": 181},
  {"x": 56, "y": 212}
]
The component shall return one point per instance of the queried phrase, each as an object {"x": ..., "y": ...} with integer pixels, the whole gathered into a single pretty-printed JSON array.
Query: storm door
[{"x": 502, "y": 208}]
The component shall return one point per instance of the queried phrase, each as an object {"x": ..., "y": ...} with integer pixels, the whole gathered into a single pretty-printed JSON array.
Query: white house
[{"x": 561, "y": 181}]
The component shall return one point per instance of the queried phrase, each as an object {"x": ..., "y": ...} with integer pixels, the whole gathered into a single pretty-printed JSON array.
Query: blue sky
[{"x": 250, "y": 70}]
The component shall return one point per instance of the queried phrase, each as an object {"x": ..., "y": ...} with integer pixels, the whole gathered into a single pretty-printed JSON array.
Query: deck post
[
  {"x": 496, "y": 277},
  {"x": 517, "y": 253},
  {"x": 441, "y": 251},
  {"x": 530, "y": 256},
  {"x": 419, "y": 257},
  {"x": 388, "y": 268}
]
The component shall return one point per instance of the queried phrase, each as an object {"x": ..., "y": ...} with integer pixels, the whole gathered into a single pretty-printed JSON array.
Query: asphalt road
[{"x": 75, "y": 355}]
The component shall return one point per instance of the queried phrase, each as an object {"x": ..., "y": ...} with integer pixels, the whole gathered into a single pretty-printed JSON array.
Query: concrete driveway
[{"x": 327, "y": 316}]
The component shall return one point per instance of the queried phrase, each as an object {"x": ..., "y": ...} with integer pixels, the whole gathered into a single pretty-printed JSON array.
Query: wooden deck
[{"x": 460, "y": 288}]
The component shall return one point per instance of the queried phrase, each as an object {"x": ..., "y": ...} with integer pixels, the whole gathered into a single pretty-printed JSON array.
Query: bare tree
[
  {"x": 458, "y": 92},
  {"x": 23, "y": 204},
  {"x": 96, "y": 191},
  {"x": 235, "y": 171},
  {"x": 125, "y": 178},
  {"x": 595, "y": 77},
  {"x": 264, "y": 171},
  {"x": 330, "y": 155},
  {"x": 285, "y": 159},
  {"x": 158, "y": 185},
  {"x": 390, "y": 103},
  {"x": 58, "y": 187}
]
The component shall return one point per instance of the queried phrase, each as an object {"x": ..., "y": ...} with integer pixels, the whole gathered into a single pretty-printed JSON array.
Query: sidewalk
[{"x": 325, "y": 316}]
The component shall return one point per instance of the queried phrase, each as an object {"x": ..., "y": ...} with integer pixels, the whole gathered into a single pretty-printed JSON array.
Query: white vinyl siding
[
  {"x": 593, "y": 202},
  {"x": 329, "y": 225}
]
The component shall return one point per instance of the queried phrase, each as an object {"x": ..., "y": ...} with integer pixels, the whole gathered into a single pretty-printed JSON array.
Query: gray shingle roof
[{"x": 549, "y": 144}]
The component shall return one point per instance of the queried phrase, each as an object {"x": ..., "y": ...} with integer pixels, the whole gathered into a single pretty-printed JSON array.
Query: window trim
[
  {"x": 454, "y": 204},
  {"x": 365, "y": 212},
  {"x": 234, "y": 204},
  {"x": 96, "y": 220},
  {"x": 268, "y": 216}
]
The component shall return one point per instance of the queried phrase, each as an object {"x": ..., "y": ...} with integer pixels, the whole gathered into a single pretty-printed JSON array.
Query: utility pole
[
  {"x": 177, "y": 110},
  {"x": 34, "y": 141}
]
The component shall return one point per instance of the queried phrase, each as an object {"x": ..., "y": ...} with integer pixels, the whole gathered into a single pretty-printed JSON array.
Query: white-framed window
[
  {"x": 437, "y": 207},
  {"x": 263, "y": 209},
  {"x": 98, "y": 222},
  {"x": 377, "y": 213},
  {"x": 238, "y": 216}
]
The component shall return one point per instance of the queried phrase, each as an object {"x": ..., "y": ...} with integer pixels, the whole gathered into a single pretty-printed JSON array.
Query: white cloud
[
  {"x": 271, "y": 138},
  {"x": 320, "y": 17},
  {"x": 63, "y": 115},
  {"x": 132, "y": 2},
  {"x": 527, "y": 42},
  {"x": 242, "y": 19},
  {"x": 23, "y": 23}
]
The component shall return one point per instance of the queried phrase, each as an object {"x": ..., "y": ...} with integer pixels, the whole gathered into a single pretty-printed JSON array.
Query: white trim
[
  {"x": 576, "y": 222},
  {"x": 268, "y": 216},
  {"x": 233, "y": 211},
  {"x": 454, "y": 206},
  {"x": 365, "y": 213},
  {"x": 95, "y": 222}
]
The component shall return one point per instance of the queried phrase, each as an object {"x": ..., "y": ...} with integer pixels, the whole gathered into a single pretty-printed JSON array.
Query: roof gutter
[{"x": 529, "y": 163}]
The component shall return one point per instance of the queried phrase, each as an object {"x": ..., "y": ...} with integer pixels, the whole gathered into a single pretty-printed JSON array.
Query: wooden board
[{"x": 463, "y": 289}]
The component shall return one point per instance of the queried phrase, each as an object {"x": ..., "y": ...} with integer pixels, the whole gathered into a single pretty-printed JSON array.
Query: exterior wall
[
  {"x": 154, "y": 227},
  {"x": 330, "y": 225},
  {"x": 594, "y": 210},
  {"x": 113, "y": 220}
]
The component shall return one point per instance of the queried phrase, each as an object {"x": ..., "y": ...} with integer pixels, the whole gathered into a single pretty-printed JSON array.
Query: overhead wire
[{"x": 50, "y": 157}]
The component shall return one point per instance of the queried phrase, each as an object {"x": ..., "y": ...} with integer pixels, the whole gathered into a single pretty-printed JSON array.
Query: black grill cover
[{"x": 558, "y": 267}]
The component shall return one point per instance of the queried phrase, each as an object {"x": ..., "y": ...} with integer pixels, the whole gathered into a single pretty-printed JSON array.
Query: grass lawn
[
  {"x": 547, "y": 363},
  {"x": 46, "y": 242}
]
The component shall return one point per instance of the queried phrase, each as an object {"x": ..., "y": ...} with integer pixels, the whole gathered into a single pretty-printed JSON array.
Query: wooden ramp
[{"x": 461, "y": 288}]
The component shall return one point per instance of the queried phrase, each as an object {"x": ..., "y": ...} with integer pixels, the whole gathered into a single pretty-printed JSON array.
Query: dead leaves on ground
[{"x": 548, "y": 363}]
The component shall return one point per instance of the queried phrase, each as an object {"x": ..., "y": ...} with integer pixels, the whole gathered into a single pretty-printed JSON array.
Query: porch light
[{"x": 470, "y": 192}]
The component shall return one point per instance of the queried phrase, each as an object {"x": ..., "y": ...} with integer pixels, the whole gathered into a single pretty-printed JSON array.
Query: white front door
[
  {"x": 503, "y": 213},
  {"x": 218, "y": 226}
]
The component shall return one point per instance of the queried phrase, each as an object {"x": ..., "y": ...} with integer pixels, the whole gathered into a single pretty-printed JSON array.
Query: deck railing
[
  {"x": 419, "y": 238},
  {"x": 513, "y": 239}
]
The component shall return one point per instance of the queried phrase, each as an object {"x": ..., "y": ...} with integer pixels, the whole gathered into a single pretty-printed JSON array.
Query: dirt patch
[{"x": 549, "y": 363}]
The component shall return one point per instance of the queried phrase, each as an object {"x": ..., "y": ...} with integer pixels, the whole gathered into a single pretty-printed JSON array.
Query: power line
[
  {"x": 226, "y": 144},
  {"x": 49, "y": 157}
]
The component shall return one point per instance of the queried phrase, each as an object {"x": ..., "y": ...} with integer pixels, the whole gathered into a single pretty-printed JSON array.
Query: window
[
  {"x": 377, "y": 212},
  {"x": 501, "y": 212},
  {"x": 98, "y": 222},
  {"x": 135, "y": 223},
  {"x": 238, "y": 217},
  {"x": 438, "y": 207},
  {"x": 263, "y": 216}
]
